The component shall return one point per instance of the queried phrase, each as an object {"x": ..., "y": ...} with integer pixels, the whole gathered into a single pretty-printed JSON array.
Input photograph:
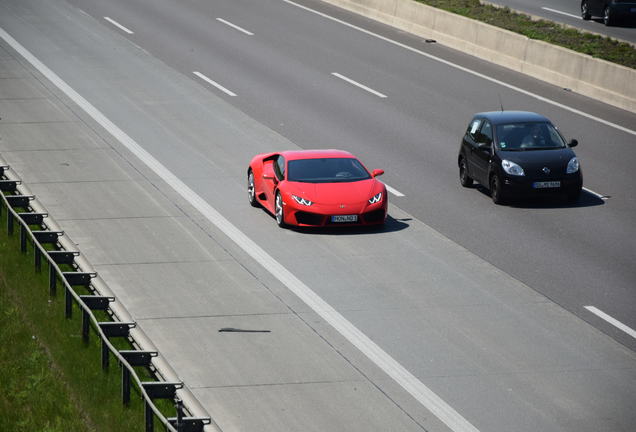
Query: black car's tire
[
  {"x": 464, "y": 178},
  {"x": 496, "y": 190},
  {"x": 251, "y": 191},
  {"x": 585, "y": 10},
  {"x": 279, "y": 212},
  {"x": 573, "y": 196},
  {"x": 608, "y": 17}
]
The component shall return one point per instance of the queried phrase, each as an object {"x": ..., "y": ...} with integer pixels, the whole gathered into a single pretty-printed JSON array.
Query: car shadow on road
[
  {"x": 551, "y": 201},
  {"x": 390, "y": 225}
]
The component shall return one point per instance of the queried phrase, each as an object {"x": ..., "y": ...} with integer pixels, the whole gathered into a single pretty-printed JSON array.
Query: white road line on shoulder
[
  {"x": 562, "y": 13},
  {"x": 116, "y": 24},
  {"x": 596, "y": 194},
  {"x": 613, "y": 321},
  {"x": 214, "y": 83},
  {"x": 377, "y": 355},
  {"x": 234, "y": 26},
  {"x": 393, "y": 191},
  {"x": 357, "y": 84},
  {"x": 464, "y": 69}
]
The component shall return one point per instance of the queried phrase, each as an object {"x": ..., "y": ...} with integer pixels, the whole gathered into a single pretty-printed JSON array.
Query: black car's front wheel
[
  {"x": 585, "y": 10},
  {"x": 497, "y": 192},
  {"x": 464, "y": 178},
  {"x": 278, "y": 211},
  {"x": 608, "y": 17}
]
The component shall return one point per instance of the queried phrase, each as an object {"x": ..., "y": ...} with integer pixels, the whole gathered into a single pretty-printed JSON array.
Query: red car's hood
[{"x": 335, "y": 193}]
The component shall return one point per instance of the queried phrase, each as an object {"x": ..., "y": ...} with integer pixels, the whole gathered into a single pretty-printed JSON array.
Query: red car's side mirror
[{"x": 377, "y": 172}]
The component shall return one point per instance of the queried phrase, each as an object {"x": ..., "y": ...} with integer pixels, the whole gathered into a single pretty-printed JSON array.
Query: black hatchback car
[
  {"x": 516, "y": 153},
  {"x": 612, "y": 11}
]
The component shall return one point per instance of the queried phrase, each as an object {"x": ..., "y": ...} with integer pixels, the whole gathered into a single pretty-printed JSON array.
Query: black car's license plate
[
  {"x": 344, "y": 218},
  {"x": 546, "y": 184}
]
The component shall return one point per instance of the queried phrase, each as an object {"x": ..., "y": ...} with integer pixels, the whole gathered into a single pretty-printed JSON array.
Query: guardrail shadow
[{"x": 549, "y": 201}]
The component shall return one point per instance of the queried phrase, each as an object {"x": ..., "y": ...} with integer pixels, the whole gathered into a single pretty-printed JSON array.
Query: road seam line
[
  {"x": 465, "y": 69},
  {"x": 596, "y": 194},
  {"x": 616, "y": 323},
  {"x": 116, "y": 24},
  {"x": 357, "y": 84},
  {"x": 370, "y": 349},
  {"x": 235, "y": 27},
  {"x": 215, "y": 84}
]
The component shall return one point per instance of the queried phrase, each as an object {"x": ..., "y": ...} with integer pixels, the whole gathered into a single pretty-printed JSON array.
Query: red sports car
[{"x": 316, "y": 188}]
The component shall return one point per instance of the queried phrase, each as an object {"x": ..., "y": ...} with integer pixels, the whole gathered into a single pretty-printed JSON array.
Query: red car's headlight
[
  {"x": 302, "y": 201},
  {"x": 376, "y": 198}
]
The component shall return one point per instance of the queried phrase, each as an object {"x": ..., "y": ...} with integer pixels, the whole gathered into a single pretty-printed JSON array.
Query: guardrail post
[
  {"x": 105, "y": 356},
  {"x": 125, "y": 385},
  {"x": 37, "y": 256},
  {"x": 9, "y": 222},
  {"x": 23, "y": 239},
  {"x": 85, "y": 325},
  {"x": 150, "y": 427},
  {"x": 179, "y": 408},
  {"x": 52, "y": 280},
  {"x": 68, "y": 297}
]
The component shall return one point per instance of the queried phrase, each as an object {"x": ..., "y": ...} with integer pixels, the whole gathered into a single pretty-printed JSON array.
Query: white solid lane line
[
  {"x": 596, "y": 194},
  {"x": 464, "y": 69},
  {"x": 377, "y": 355},
  {"x": 357, "y": 84},
  {"x": 234, "y": 26},
  {"x": 560, "y": 12},
  {"x": 214, "y": 83},
  {"x": 613, "y": 321},
  {"x": 116, "y": 24},
  {"x": 393, "y": 191}
]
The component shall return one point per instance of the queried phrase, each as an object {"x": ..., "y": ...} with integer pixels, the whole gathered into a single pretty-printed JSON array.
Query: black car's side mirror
[
  {"x": 573, "y": 143},
  {"x": 483, "y": 146}
]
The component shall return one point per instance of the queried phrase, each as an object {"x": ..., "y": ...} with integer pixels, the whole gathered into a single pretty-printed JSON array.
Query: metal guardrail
[{"x": 128, "y": 359}]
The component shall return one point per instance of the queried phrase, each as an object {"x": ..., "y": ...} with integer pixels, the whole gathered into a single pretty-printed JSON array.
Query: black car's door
[
  {"x": 469, "y": 145},
  {"x": 482, "y": 152}
]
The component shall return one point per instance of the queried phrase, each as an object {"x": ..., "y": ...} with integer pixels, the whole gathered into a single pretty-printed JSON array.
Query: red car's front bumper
[{"x": 321, "y": 215}]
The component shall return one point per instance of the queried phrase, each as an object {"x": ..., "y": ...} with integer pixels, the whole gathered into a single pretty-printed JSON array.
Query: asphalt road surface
[
  {"x": 472, "y": 298},
  {"x": 569, "y": 12}
]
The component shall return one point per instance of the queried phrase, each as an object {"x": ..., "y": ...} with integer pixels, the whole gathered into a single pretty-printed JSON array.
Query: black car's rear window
[
  {"x": 326, "y": 170},
  {"x": 528, "y": 136}
]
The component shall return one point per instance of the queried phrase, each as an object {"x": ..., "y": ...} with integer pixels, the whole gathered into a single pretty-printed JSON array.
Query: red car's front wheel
[
  {"x": 279, "y": 212},
  {"x": 251, "y": 191}
]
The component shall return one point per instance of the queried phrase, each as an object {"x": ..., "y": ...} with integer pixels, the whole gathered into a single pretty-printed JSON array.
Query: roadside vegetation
[
  {"x": 595, "y": 45},
  {"x": 51, "y": 380}
]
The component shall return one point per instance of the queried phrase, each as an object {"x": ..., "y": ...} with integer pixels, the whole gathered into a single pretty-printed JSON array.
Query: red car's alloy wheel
[
  {"x": 280, "y": 218},
  {"x": 251, "y": 192}
]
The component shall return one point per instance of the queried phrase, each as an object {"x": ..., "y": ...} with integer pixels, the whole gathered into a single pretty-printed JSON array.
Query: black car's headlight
[
  {"x": 512, "y": 168},
  {"x": 302, "y": 201},
  {"x": 376, "y": 198},
  {"x": 573, "y": 166}
]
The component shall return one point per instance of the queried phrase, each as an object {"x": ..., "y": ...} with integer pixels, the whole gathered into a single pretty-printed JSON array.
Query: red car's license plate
[{"x": 344, "y": 218}]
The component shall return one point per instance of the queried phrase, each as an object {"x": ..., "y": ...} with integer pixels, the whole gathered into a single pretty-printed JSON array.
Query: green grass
[
  {"x": 597, "y": 46},
  {"x": 51, "y": 380}
]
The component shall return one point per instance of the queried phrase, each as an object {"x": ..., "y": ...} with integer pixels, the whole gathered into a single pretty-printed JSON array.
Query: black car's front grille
[
  {"x": 306, "y": 218},
  {"x": 374, "y": 216}
]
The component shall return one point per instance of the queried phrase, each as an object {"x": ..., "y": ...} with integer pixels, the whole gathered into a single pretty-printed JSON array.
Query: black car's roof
[{"x": 501, "y": 117}]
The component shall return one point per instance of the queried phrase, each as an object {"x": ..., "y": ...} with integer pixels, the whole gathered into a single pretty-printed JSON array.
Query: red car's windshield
[{"x": 326, "y": 170}]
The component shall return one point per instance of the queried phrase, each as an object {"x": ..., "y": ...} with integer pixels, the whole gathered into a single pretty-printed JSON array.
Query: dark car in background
[
  {"x": 612, "y": 11},
  {"x": 518, "y": 153}
]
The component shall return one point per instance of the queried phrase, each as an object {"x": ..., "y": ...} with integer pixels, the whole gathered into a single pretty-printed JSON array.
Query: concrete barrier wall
[{"x": 595, "y": 78}]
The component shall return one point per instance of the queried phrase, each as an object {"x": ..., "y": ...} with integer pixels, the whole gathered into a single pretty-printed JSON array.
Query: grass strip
[
  {"x": 548, "y": 31},
  {"x": 51, "y": 380}
]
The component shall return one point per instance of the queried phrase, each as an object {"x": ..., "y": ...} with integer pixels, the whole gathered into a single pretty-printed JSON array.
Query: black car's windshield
[
  {"x": 326, "y": 170},
  {"x": 528, "y": 136}
]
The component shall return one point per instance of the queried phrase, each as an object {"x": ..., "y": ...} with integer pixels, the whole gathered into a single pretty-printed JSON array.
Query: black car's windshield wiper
[{"x": 543, "y": 148}]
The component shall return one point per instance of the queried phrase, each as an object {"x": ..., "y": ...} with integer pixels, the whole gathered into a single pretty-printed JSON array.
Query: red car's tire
[
  {"x": 279, "y": 210},
  {"x": 251, "y": 191}
]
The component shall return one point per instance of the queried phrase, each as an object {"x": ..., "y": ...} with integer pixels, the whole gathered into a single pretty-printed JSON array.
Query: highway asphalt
[
  {"x": 569, "y": 12},
  {"x": 468, "y": 296}
]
